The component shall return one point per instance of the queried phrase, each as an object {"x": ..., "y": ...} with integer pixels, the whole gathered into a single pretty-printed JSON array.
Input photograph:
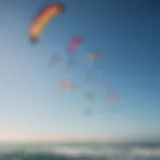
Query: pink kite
[
  {"x": 112, "y": 96},
  {"x": 73, "y": 43},
  {"x": 63, "y": 84}
]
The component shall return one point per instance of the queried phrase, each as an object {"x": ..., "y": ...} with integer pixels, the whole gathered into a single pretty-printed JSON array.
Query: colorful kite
[
  {"x": 40, "y": 20},
  {"x": 112, "y": 96},
  {"x": 73, "y": 43}
]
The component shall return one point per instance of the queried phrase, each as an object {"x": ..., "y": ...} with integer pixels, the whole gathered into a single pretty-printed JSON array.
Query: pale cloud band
[{"x": 9, "y": 136}]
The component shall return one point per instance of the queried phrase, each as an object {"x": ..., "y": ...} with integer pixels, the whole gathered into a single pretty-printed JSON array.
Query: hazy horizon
[{"x": 71, "y": 138}]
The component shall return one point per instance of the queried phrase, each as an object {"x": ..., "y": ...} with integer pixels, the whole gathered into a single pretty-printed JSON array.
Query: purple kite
[{"x": 73, "y": 43}]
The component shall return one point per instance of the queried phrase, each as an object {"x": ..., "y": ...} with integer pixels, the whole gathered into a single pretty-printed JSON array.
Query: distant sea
[{"x": 78, "y": 151}]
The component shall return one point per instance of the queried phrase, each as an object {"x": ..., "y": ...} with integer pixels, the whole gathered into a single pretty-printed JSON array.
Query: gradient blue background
[{"x": 125, "y": 33}]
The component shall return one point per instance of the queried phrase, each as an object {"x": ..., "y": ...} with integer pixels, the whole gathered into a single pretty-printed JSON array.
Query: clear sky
[{"x": 125, "y": 33}]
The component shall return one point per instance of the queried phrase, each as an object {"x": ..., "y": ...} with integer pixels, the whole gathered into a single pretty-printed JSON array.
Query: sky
[{"x": 124, "y": 33}]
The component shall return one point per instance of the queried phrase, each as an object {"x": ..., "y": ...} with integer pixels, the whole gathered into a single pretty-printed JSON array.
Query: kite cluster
[{"x": 36, "y": 26}]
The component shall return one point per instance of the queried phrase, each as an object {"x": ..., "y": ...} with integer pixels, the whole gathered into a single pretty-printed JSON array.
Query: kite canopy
[
  {"x": 89, "y": 95},
  {"x": 93, "y": 56},
  {"x": 73, "y": 43},
  {"x": 55, "y": 59},
  {"x": 41, "y": 19},
  {"x": 112, "y": 96}
]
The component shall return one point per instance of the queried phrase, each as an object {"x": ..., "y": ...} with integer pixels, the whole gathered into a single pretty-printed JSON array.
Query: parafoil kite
[
  {"x": 93, "y": 56},
  {"x": 67, "y": 85},
  {"x": 71, "y": 49},
  {"x": 73, "y": 43},
  {"x": 112, "y": 96},
  {"x": 63, "y": 85},
  {"x": 55, "y": 59},
  {"x": 89, "y": 95},
  {"x": 42, "y": 18}
]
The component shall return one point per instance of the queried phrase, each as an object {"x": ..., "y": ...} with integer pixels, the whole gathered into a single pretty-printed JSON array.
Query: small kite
[
  {"x": 63, "y": 85},
  {"x": 93, "y": 56},
  {"x": 55, "y": 59},
  {"x": 89, "y": 96},
  {"x": 112, "y": 96},
  {"x": 73, "y": 43}
]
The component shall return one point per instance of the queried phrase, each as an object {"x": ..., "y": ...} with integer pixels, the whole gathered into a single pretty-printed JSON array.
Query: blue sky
[{"x": 126, "y": 34}]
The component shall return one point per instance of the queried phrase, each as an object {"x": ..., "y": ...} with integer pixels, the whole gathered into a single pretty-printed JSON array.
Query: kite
[
  {"x": 41, "y": 19},
  {"x": 89, "y": 96},
  {"x": 55, "y": 59},
  {"x": 93, "y": 56},
  {"x": 63, "y": 85},
  {"x": 67, "y": 85},
  {"x": 73, "y": 43},
  {"x": 112, "y": 96}
]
